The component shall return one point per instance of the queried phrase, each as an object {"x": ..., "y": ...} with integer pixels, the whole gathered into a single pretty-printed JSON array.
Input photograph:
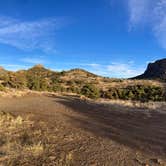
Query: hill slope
[{"x": 82, "y": 82}]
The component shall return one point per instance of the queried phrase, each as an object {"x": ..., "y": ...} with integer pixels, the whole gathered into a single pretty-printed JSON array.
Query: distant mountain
[
  {"x": 156, "y": 70},
  {"x": 40, "y": 78}
]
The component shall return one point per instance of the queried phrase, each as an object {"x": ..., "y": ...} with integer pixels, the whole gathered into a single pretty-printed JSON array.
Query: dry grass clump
[
  {"x": 157, "y": 106},
  {"x": 24, "y": 142},
  {"x": 15, "y": 93},
  {"x": 127, "y": 82},
  {"x": 18, "y": 140}
]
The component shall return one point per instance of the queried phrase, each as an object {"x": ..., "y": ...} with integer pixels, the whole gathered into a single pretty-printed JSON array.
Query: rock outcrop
[{"x": 156, "y": 70}]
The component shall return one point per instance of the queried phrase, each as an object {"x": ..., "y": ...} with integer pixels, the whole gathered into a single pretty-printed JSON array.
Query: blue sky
[{"x": 115, "y": 38}]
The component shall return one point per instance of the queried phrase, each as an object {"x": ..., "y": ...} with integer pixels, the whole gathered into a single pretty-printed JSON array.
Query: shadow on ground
[{"x": 145, "y": 131}]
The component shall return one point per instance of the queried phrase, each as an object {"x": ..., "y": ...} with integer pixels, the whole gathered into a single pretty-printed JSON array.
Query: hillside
[
  {"x": 156, "y": 70},
  {"x": 82, "y": 82},
  {"x": 2, "y": 71}
]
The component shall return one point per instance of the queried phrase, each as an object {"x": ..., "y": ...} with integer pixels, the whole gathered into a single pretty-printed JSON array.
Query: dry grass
[
  {"x": 14, "y": 93},
  {"x": 157, "y": 106},
  {"x": 23, "y": 142},
  {"x": 10, "y": 93},
  {"x": 17, "y": 139},
  {"x": 105, "y": 85}
]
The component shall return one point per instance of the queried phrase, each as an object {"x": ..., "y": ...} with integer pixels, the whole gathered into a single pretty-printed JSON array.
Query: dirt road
[{"x": 96, "y": 134}]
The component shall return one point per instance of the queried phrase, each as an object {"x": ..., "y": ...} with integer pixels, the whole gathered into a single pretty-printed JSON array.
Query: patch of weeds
[{"x": 18, "y": 140}]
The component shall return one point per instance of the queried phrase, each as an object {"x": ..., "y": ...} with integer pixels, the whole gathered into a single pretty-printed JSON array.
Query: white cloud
[
  {"x": 29, "y": 35},
  {"x": 34, "y": 60},
  {"x": 116, "y": 69},
  {"x": 91, "y": 64},
  {"x": 159, "y": 22},
  {"x": 14, "y": 67},
  {"x": 149, "y": 13},
  {"x": 124, "y": 70},
  {"x": 137, "y": 11}
]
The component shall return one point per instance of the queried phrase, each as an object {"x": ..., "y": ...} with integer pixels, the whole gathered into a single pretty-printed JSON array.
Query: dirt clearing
[{"x": 77, "y": 132}]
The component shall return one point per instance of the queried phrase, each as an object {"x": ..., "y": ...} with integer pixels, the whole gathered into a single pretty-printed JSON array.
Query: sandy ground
[{"x": 96, "y": 134}]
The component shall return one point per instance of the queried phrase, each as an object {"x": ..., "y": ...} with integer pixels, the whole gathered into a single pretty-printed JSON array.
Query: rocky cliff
[{"x": 156, "y": 70}]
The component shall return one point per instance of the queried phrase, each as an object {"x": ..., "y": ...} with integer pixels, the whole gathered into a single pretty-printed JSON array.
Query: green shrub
[
  {"x": 73, "y": 89},
  {"x": 2, "y": 88},
  {"x": 90, "y": 91},
  {"x": 136, "y": 92},
  {"x": 15, "y": 80},
  {"x": 57, "y": 88}
]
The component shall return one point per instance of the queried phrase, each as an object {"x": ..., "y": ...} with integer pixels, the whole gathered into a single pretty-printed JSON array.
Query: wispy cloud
[
  {"x": 159, "y": 28},
  {"x": 39, "y": 60},
  {"x": 116, "y": 69},
  {"x": 149, "y": 13},
  {"x": 14, "y": 67},
  {"x": 125, "y": 70},
  {"x": 29, "y": 35},
  {"x": 138, "y": 12}
]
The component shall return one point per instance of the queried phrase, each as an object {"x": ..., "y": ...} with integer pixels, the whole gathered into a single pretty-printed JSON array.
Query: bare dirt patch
[{"x": 77, "y": 132}]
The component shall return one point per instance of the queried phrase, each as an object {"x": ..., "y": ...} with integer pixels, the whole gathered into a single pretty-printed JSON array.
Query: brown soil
[{"x": 95, "y": 134}]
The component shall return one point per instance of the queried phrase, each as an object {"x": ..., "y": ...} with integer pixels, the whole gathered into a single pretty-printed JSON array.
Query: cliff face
[{"x": 156, "y": 70}]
